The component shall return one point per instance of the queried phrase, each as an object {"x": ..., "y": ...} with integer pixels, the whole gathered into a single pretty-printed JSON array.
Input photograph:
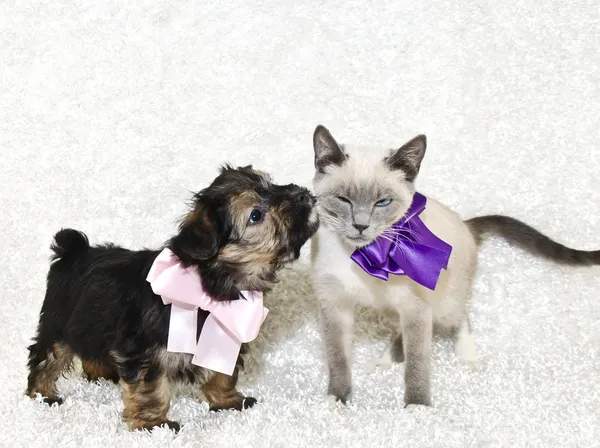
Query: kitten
[{"x": 361, "y": 195}]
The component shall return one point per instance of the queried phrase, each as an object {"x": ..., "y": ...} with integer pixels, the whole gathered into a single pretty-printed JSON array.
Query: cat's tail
[{"x": 521, "y": 235}]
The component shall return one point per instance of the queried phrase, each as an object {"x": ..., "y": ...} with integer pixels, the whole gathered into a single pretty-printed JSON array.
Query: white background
[{"x": 112, "y": 113}]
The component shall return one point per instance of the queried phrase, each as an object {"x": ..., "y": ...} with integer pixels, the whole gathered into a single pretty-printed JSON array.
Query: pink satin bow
[{"x": 229, "y": 324}]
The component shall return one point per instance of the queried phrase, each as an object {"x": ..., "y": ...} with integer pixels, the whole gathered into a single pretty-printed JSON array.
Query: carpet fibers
[{"x": 112, "y": 113}]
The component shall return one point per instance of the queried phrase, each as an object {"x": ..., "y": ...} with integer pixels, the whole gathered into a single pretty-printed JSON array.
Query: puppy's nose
[
  {"x": 360, "y": 227},
  {"x": 304, "y": 197}
]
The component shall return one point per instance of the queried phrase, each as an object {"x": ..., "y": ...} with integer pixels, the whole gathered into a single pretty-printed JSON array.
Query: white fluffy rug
[{"x": 110, "y": 114}]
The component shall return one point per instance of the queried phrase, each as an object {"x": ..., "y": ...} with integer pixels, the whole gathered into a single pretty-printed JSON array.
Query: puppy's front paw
[
  {"x": 237, "y": 403},
  {"x": 249, "y": 402}
]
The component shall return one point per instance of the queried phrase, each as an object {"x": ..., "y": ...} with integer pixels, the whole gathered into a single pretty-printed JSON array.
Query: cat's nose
[{"x": 360, "y": 227}]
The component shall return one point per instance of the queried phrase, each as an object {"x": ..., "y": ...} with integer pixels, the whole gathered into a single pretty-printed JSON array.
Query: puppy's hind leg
[
  {"x": 46, "y": 364},
  {"x": 95, "y": 370}
]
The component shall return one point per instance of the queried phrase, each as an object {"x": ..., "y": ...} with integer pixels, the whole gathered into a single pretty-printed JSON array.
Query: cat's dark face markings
[
  {"x": 409, "y": 157},
  {"x": 327, "y": 150},
  {"x": 362, "y": 195}
]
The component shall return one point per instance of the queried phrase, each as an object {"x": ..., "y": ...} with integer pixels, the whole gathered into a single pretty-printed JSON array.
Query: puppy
[{"x": 100, "y": 307}]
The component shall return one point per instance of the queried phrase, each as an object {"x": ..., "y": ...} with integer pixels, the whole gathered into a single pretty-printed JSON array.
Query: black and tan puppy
[{"x": 99, "y": 306}]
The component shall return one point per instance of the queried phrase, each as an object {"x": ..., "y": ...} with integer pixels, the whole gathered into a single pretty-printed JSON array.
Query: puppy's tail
[
  {"x": 521, "y": 235},
  {"x": 68, "y": 243}
]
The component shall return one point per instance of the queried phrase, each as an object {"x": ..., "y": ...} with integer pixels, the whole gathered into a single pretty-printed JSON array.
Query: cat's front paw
[
  {"x": 341, "y": 392},
  {"x": 332, "y": 402},
  {"x": 416, "y": 399}
]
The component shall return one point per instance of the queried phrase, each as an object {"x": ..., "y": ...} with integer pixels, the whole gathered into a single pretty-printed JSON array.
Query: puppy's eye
[
  {"x": 255, "y": 217},
  {"x": 383, "y": 203},
  {"x": 343, "y": 199}
]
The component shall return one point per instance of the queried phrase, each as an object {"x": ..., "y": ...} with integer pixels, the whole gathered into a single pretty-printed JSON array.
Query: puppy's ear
[
  {"x": 201, "y": 233},
  {"x": 229, "y": 167}
]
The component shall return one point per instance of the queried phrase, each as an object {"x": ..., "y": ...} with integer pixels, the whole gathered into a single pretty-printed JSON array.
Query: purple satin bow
[{"x": 408, "y": 248}]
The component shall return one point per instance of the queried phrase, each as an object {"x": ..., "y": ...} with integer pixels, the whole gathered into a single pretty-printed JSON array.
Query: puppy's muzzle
[{"x": 305, "y": 198}]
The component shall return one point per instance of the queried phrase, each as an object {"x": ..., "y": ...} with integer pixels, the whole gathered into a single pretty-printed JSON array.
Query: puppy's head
[{"x": 242, "y": 229}]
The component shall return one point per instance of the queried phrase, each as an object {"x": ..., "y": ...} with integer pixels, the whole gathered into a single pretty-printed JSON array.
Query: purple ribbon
[{"x": 406, "y": 248}]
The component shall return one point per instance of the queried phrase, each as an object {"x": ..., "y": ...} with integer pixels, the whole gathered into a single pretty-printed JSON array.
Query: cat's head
[{"x": 363, "y": 191}]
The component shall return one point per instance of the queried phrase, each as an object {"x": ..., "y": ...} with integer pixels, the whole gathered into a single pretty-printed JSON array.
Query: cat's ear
[
  {"x": 409, "y": 157},
  {"x": 327, "y": 150}
]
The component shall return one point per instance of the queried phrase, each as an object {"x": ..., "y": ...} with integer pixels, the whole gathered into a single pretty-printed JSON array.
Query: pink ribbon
[{"x": 229, "y": 324}]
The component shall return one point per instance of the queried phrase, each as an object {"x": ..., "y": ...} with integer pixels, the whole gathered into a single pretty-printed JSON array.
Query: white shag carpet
[{"x": 112, "y": 112}]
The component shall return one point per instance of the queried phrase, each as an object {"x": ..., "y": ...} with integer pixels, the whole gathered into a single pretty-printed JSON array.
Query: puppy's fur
[{"x": 99, "y": 306}]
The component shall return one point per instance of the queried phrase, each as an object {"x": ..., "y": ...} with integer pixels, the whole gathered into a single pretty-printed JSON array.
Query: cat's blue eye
[{"x": 383, "y": 203}]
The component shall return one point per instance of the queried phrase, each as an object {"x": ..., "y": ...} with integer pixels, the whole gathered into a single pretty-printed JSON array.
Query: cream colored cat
[{"x": 361, "y": 193}]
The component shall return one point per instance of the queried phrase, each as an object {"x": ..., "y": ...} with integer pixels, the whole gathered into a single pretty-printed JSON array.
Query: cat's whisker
[
  {"x": 402, "y": 234},
  {"x": 325, "y": 216},
  {"x": 396, "y": 244},
  {"x": 414, "y": 233},
  {"x": 335, "y": 223},
  {"x": 406, "y": 229},
  {"x": 399, "y": 235}
]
